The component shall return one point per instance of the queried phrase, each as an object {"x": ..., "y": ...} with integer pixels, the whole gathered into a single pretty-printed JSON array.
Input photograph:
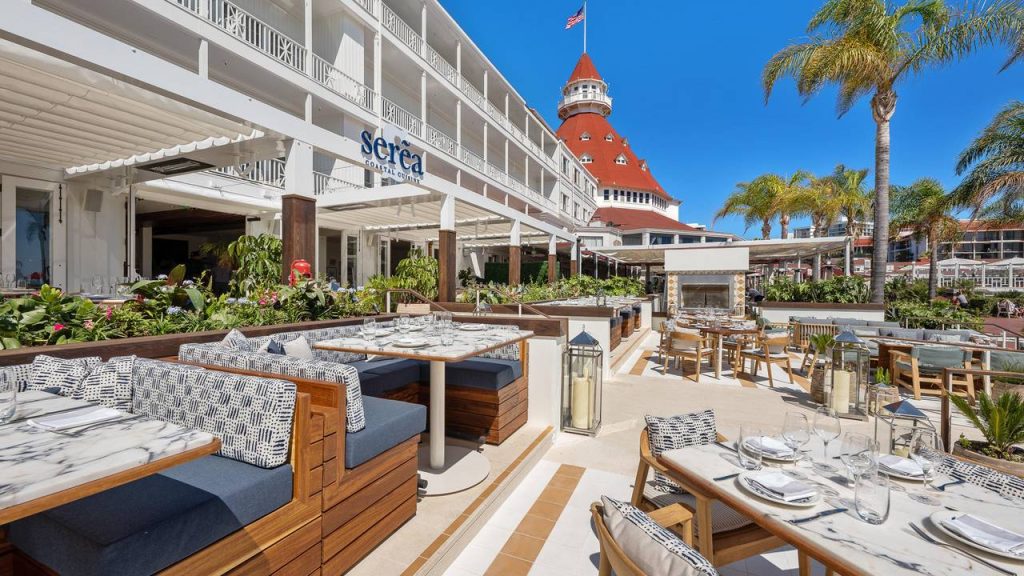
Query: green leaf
[
  {"x": 33, "y": 316},
  {"x": 196, "y": 297},
  {"x": 10, "y": 343},
  {"x": 177, "y": 274}
]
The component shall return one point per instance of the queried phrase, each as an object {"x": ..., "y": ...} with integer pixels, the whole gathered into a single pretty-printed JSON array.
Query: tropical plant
[
  {"x": 905, "y": 289},
  {"x": 994, "y": 163},
  {"x": 853, "y": 197},
  {"x": 937, "y": 314},
  {"x": 869, "y": 47},
  {"x": 1001, "y": 422},
  {"x": 841, "y": 289},
  {"x": 820, "y": 200},
  {"x": 822, "y": 343},
  {"x": 764, "y": 199},
  {"x": 171, "y": 292},
  {"x": 49, "y": 317},
  {"x": 257, "y": 263},
  {"x": 924, "y": 209}
]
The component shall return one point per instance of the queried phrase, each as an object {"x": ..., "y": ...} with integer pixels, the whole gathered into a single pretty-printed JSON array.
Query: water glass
[
  {"x": 402, "y": 323},
  {"x": 8, "y": 396},
  {"x": 796, "y": 432},
  {"x": 369, "y": 328},
  {"x": 750, "y": 458},
  {"x": 859, "y": 453},
  {"x": 447, "y": 336},
  {"x": 871, "y": 497},
  {"x": 828, "y": 428}
]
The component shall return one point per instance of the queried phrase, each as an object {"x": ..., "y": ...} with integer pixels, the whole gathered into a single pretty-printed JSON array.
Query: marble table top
[
  {"x": 36, "y": 463},
  {"x": 891, "y": 548},
  {"x": 465, "y": 344}
]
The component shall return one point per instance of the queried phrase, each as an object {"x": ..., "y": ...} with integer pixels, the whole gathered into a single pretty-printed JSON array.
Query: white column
[
  {"x": 553, "y": 245},
  {"x": 204, "y": 59},
  {"x": 8, "y": 227},
  {"x": 307, "y": 11},
  {"x": 485, "y": 142},
  {"x": 423, "y": 100},
  {"x": 458, "y": 58},
  {"x": 448, "y": 213},
  {"x": 515, "y": 237},
  {"x": 378, "y": 73},
  {"x": 506, "y": 104},
  {"x": 146, "y": 241},
  {"x": 526, "y": 170},
  {"x": 506, "y": 156},
  {"x": 298, "y": 169},
  {"x": 423, "y": 29},
  {"x": 458, "y": 122},
  {"x": 130, "y": 234},
  {"x": 485, "y": 83}
]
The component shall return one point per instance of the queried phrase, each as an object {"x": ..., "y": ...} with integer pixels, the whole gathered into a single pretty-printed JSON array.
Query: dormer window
[
  {"x": 620, "y": 159},
  {"x": 586, "y": 159},
  {"x": 643, "y": 166},
  {"x": 585, "y": 136},
  {"x": 608, "y": 137}
]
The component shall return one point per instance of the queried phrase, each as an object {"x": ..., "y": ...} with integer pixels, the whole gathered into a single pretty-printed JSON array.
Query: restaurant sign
[{"x": 389, "y": 153}]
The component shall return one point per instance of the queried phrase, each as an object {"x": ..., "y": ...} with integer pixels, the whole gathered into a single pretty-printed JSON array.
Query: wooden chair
[
  {"x": 771, "y": 349},
  {"x": 686, "y": 345},
  {"x": 733, "y": 347},
  {"x": 723, "y": 546},
  {"x": 614, "y": 560},
  {"x": 923, "y": 366}
]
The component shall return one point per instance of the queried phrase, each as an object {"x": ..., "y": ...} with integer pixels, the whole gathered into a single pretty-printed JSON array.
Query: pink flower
[
  {"x": 109, "y": 312},
  {"x": 58, "y": 327},
  {"x": 89, "y": 325},
  {"x": 263, "y": 302}
]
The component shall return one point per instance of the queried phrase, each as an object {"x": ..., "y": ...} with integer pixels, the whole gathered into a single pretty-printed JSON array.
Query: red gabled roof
[
  {"x": 631, "y": 219},
  {"x": 603, "y": 153},
  {"x": 584, "y": 70}
]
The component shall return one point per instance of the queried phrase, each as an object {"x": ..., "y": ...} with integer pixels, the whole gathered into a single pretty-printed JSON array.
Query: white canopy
[
  {"x": 1017, "y": 261},
  {"x": 948, "y": 262}
]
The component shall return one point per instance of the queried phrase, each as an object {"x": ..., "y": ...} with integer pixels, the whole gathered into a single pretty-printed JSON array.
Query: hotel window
[
  {"x": 576, "y": 177},
  {"x": 586, "y": 159},
  {"x": 575, "y": 210},
  {"x": 351, "y": 259},
  {"x": 565, "y": 202},
  {"x": 585, "y": 136},
  {"x": 620, "y": 159},
  {"x": 607, "y": 193},
  {"x": 565, "y": 166},
  {"x": 616, "y": 195},
  {"x": 608, "y": 137}
]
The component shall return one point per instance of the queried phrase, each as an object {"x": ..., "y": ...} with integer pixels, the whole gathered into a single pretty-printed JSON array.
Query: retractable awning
[{"x": 761, "y": 251}]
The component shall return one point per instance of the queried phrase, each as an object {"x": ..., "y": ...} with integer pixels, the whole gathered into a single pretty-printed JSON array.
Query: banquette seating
[
  {"x": 486, "y": 396},
  {"x": 615, "y": 331},
  {"x": 253, "y": 508},
  {"x": 626, "y": 315}
]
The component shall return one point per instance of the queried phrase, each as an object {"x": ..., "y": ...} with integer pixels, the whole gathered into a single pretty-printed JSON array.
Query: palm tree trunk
[
  {"x": 784, "y": 225},
  {"x": 766, "y": 230},
  {"x": 933, "y": 265},
  {"x": 883, "y": 104}
]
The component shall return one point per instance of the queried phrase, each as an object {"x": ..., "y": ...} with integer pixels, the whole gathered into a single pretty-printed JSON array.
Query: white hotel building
[{"x": 134, "y": 131}]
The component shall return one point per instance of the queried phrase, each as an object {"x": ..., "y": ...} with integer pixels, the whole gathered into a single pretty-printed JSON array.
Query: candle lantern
[
  {"x": 900, "y": 420},
  {"x": 602, "y": 299},
  {"x": 581, "y": 385},
  {"x": 850, "y": 362}
]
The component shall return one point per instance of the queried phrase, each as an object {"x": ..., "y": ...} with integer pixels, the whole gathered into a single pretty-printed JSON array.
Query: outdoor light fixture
[
  {"x": 850, "y": 361},
  {"x": 902, "y": 419},
  {"x": 176, "y": 166},
  {"x": 581, "y": 385}
]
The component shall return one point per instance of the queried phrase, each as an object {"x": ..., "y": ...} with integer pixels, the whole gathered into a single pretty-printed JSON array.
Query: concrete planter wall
[{"x": 782, "y": 311}]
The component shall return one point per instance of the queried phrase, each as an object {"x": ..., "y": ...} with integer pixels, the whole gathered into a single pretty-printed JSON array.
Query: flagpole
[{"x": 584, "y": 26}]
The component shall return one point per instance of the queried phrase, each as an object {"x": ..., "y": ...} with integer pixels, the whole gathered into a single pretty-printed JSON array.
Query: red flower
[{"x": 58, "y": 327}]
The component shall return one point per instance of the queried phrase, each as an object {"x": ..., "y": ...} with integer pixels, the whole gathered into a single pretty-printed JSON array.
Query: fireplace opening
[{"x": 705, "y": 295}]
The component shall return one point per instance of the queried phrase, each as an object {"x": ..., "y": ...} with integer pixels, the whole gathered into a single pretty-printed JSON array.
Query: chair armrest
[
  {"x": 893, "y": 354},
  {"x": 675, "y": 515}
]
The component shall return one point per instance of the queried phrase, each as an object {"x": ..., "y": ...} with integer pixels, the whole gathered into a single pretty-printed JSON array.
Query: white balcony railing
[
  {"x": 586, "y": 96},
  {"x": 399, "y": 28},
  {"x": 266, "y": 172},
  {"x": 399, "y": 116},
  {"x": 442, "y": 141},
  {"x": 326, "y": 184},
  {"x": 234, "y": 20},
  {"x": 344, "y": 85},
  {"x": 370, "y": 6},
  {"x": 472, "y": 160},
  {"x": 443, "y": 67}
]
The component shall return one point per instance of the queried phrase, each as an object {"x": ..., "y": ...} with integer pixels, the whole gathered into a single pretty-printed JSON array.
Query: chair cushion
[
  {"x": 626, "y": 313},
  {"x": 849, "y": 322},
  {"x": 388, "y": 424},
  {"x": 1005, "y": 485},
  {"x": 938, "y": 357},
  {"x": 109, "y": 384},
  {"x": 880, "y": 324},
  {"x": 723, "y": 518},
  {"x": 655, "y": 550},
  {"x": 147, "y": 525},
  {"x": 902, "y": 333},
  {"x": 378, "y": 377},
  {"x": 673, "y": 432},
  {"x": 59, "y": 375},
  {"x": 480, "y": 373}
]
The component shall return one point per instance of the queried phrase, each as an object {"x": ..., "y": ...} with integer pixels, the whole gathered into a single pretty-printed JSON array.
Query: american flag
[{"x": 575, "y": 18}]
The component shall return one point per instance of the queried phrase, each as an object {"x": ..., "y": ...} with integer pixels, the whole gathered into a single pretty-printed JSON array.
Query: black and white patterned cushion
[
  {"x": 510, "y": 352},
  {"x": 59, "y": 375},
  {"x": 236, "y": 340},
  {"x": 655, "y": 550},
  {"x": 1005, "y": 485},
  {"x": 109, "y": 384},
  {"x": 678, "y": 432}
]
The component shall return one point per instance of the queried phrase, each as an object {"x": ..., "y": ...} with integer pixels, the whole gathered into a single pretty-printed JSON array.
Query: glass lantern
[
  {"x": 850, "y": 362},
  {"x": 581, "y": 385},
  {"x": 900, "y": 420}
]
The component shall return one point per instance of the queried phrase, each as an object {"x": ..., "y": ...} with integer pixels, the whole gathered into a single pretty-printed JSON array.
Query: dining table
[
  {"x": 841, "y": 541},
  {"x": 41, "y": 469},
  {"x": 447, "y": 468}
]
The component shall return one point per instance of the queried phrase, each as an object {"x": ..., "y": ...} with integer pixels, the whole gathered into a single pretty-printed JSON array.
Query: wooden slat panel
[
  {"x": 307, "y": 563},
  {"x": 280, "y": 554},
  {"x": 330, "y": 447},
  {"x": 316, "y": 481},
  {"x": 315, "y": 454},
  {"x": 397, "y": 479},
  {"x": 356, "y": 479},
  {"x": 348, "y": 532},
  {"x": 331, "y": 472},
  {"x": 370, "y": 538},
  {"x": 316, "y": 427}
]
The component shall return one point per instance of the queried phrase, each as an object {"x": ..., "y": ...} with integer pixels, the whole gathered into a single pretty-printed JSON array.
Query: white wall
[
  {"x": 95, "y": 239},
  {"x": 545, "y": 380}
]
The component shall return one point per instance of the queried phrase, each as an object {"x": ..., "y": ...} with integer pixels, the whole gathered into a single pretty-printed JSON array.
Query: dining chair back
[{"x": 685, "y": 344}]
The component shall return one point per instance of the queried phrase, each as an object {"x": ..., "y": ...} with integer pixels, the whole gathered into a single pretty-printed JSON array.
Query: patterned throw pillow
[
  {"x": 678, "y": 432},
  {"x": 59, "y": 375},
  {"x": 237, "y": 340},
  {"x": 275, "y": 347},
  {"x": 109, "y": 384},
  {"x": 655, "y": 550}
]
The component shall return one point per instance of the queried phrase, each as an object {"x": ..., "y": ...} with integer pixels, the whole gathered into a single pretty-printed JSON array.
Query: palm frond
[{"x": 998, "y": 23}]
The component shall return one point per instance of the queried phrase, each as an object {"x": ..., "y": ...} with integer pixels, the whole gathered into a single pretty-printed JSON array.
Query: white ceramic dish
[
  {"x": 747, "y": 485},
  {"x": 937, "y": 519}
]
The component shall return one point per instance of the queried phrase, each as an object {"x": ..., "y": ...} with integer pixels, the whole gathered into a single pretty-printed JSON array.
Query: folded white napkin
[
  {"x": 900, "y": 465},
  {"x": 985, "y": 533},
  {"x": 84, "y": 417},
  {"x": 770, "y": 446},
  {"x": 782, "y": 486},
  {"x": 409, "y": 341}
]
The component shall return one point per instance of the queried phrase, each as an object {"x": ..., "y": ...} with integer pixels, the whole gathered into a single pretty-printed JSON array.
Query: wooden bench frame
[{"x": 614, "y": 559}]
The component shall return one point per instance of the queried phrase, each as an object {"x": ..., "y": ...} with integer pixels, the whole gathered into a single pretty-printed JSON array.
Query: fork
[
  {"x": 943, "y": 487},
  {"x": 928, "y": 538}
]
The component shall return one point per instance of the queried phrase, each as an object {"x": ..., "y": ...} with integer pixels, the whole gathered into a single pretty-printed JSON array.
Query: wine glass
[
  {"x": 796, "y": 433},
  {"x": 926, "y": 449},
  {"x": 828, "y": 428},
  {"x": 369, "y": 328},
  {"x": 859, "y": 453}
]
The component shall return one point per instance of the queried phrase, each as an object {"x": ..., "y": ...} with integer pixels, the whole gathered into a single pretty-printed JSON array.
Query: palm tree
[
  {"x": 996, "y": 163},
  {"x": 764, "y": 199},
  {"x": 924, "y": 209},
  {"x": 821, "y": 201},
  {"x": 854, "y": 199},
  {"x": 870, "y": 46}
]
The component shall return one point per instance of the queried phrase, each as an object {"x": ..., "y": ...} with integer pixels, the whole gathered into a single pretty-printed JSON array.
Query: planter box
[
  {"x": 782, "y": 311},
  {"x": 1004, "y": 466}
]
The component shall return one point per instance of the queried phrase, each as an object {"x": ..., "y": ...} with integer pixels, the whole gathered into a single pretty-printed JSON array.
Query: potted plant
[
  {"x": 1001, "y": 422},
  {"x": 820, "y": 346}
]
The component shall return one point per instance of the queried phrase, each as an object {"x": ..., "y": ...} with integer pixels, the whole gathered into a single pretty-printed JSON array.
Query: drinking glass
[
  {"x": 369, "y": 328},
  {"x": 871, "y": 497},
  {"x": 750, "y": 458},
  {"x": 796, "y": 432},
  {"x": 8, "y": 396},
  {"x": 402, "y": 323},
  {"x": 859, "y": 453},
  {"x": 447, "y": 335},
  {"x": 926, "y": 449},
  {"x": 828, "y": 428}
]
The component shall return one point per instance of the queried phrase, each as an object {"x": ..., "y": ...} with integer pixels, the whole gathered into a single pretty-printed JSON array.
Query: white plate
[
  {"x": 936, "y": 520},
  {"x": 744, "y": 482},
  {"x": 473, "y": 327},
  {"x": 899, "y": 475},
  {"x": 409, "y": 343},
  {"x": 792, "y": 458}
]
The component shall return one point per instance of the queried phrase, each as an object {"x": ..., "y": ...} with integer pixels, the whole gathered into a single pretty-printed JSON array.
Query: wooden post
[
  {"x": 574, "y": 265},
  {"x": 552, "y": 260},
  {"x": 298, "y": 231},
  {"x": 446, "y": 266},
  {"x": 515, "y": 259}
]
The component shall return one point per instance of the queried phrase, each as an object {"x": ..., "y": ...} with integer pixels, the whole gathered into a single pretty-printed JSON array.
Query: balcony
[{"x": 265, "y": 172}]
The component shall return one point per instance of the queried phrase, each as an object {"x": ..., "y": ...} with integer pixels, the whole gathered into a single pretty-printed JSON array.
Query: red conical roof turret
[{"x": 584, "y": 70}]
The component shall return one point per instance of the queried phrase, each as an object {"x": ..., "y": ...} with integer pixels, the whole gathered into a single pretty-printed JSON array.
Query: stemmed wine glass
[
  {"x": 828, "y": 428},
  {"x": 796, "y": 432},
  {"x": 926, "y": 449},
  {"x": 859, "y": 453}
]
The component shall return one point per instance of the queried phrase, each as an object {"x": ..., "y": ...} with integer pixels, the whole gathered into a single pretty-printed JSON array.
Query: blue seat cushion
[
  {"x": 388, "y": 424},
  {"x": 626, "y": 312},
  {"x": 482, "y": 373},
  {"x": 381, "y": 376},
  {"x": 147, "y": 525}
]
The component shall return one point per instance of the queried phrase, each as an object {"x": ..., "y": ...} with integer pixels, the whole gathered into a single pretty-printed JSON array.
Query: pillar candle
[
  {"x": 581, "y": 386},
  {"x": 841, "y": 391}
]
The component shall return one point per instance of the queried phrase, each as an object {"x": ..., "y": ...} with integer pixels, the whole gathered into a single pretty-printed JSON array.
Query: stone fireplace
[{"x": 702, "y": 276}]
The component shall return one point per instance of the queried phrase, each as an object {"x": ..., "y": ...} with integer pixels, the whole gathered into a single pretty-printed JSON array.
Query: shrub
[
  {"x": 841, "y": 289},
  {"x": 938, "y": 314},
  {"x": 1000, "y": 421}
]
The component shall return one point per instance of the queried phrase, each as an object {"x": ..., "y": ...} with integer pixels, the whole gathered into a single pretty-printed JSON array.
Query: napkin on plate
[
  {"x": 782, "y": 486},
  {"x": 900, "y": 465},
  {"x": 770, "y": 446},
  {"x": 985, "y": 533},
  {"x": 87, "y": 415}
]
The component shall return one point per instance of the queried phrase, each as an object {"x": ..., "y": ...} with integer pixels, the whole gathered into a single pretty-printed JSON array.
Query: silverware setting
[
  {"x": 821, "y": 514},
  {"x": 928, "y": 538},
  {"x": 943, "y": 487},
  {"x": 726, "y": 477},
  {"x": 726, "y": 446},
  {"x": 79, "y": 431}
]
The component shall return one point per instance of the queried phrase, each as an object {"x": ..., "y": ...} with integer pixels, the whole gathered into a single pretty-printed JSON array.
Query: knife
[{"x": 818, "y": 515}]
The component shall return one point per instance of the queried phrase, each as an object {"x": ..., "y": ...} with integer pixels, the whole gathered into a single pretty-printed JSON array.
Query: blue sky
[{"x": 685, "y": 79}]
